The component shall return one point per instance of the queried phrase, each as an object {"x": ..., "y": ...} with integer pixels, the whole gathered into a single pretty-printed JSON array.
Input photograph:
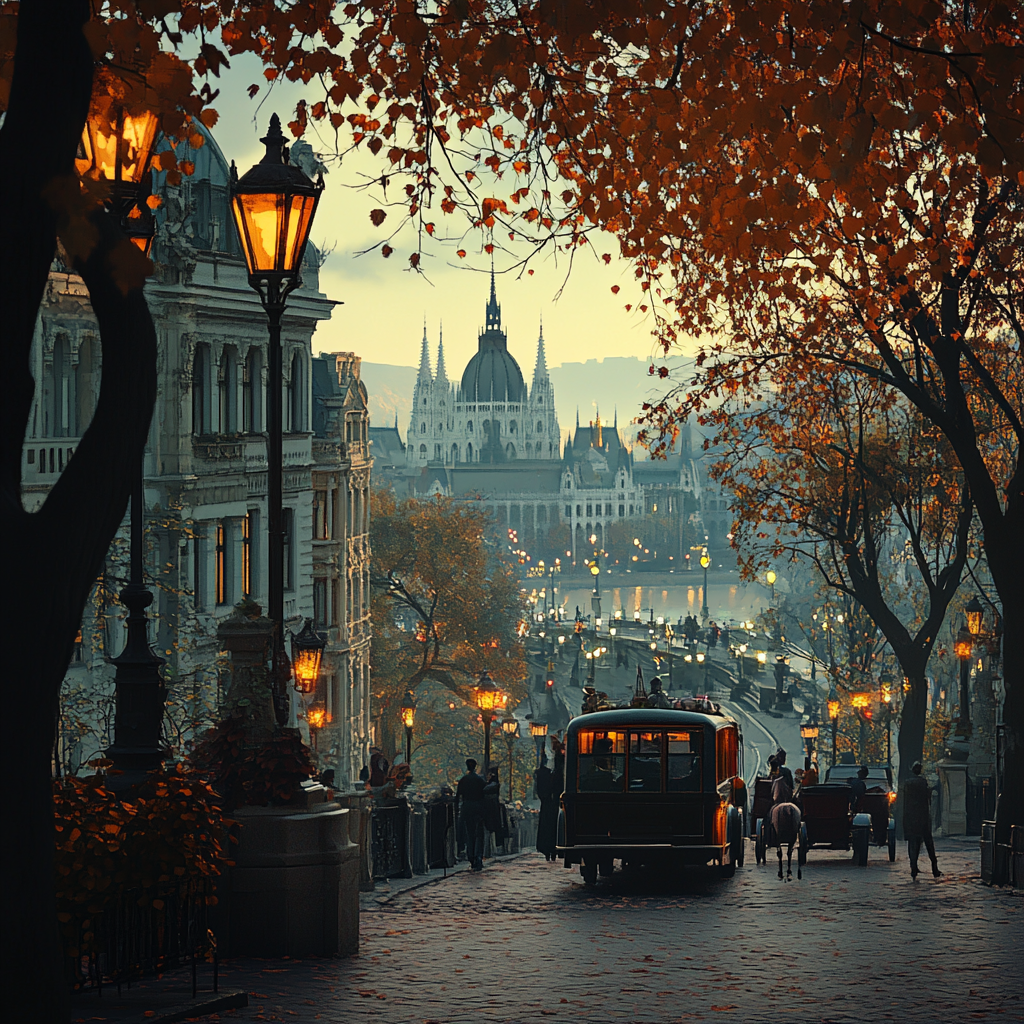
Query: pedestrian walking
[
  {"x": 917, "y": 822},
  {"x": 469, "y": 809},
  {"x": 545, "y": 790}
]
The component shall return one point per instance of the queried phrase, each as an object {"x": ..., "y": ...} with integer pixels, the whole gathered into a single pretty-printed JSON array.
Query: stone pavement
[{"x": 525, "y": 940}]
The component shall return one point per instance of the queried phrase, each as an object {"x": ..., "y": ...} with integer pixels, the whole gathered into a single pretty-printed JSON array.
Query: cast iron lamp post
[
  {"x": 809, "y": 733},
  {"x": 833, "y": 715},
  {"x": 771, "y": 578},
  {"x": 488, "y": 698},
  {"x": 510, "y": 730},
  {"x": 539, "y": 732},
  {"x": 408, "y": 720},
  {"x": 273, "y": 205},
  {"x": 116, "y": 148},
  {"x": 964, "y": 645},
  {"x": 705, "y": 561}
]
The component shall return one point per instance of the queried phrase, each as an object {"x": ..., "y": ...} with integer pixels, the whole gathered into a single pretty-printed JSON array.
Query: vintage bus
[{"x": 652, "y": 787}]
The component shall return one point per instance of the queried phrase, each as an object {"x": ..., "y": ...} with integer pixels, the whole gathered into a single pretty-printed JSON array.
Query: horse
[{"x": 785, "y": 821}]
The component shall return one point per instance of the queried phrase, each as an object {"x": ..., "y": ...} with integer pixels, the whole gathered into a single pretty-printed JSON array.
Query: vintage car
[{"x": 652, "y": 787}]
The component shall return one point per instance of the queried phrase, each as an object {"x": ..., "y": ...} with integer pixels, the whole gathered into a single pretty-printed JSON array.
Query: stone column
[{"x": 246, "y": 635}]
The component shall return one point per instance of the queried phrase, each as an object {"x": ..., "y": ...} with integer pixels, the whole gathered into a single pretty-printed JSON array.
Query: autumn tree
[
  {"x": 835, "y": 472},
  {"x": 446, "y": 606}
]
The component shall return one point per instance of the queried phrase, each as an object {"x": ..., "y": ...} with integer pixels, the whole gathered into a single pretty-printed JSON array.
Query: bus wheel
[
  {"x": 606, "y": 868},
  {"x": 589, "y": 872}
]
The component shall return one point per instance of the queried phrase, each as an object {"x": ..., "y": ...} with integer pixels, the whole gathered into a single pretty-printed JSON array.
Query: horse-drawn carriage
[{"x": 828, "y": 822}]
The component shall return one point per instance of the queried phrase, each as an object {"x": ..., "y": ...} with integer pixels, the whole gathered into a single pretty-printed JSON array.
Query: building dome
[{"x": 493, "y": 375}]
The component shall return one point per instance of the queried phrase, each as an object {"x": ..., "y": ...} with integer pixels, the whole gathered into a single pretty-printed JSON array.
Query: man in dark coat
[
  {"x": 858, "y": 787},
  {"x": 547, "y": 821},
  {"x": 917, "y": 824},
  {"x": 469, "y": 807}
]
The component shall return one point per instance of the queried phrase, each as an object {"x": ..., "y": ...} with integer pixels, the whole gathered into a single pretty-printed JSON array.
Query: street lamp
[
  {"x": 510, "y": 729},
  {"x": 705, "y": 561},
  {"x": 273, "y": 205},
  {"x": 116, "y": 147},
  {"x": 833, "y": 715},
  {"x": 771, "y": 578},
  {"x": 809, "y": 733},
  {"x": 539, "y": 732},
  {"x": 595, "y": 600},
  {"x": 307, "y": 650},
  {"x": 488, "y": 698},
  {"x": 964, "y": 645},
  {"x": 408, "y": 712}
]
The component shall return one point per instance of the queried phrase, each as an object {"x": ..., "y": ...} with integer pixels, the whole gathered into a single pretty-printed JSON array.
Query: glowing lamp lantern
[
  {"x": 487, "y": 695},
  {"x": 860, "y": 700},
  {"x": 408, "y": 713},
  {"x": 705, "y": 560},
  {"x": 833, "y": 709},
  {"x": 700, "y": 657},
  {"x": 510, "y": 727},
  {"x": 809, "y": 732},
  {"x": 273, "y": 204},
  {"x": 964, "y": 644},
  {"x": 538, "y": 729},
  {"x": 595, "y": 569},
  {"x": 770, "y": 577},
  {"x": 307, "y": 650},
  {"x": 975, "y": 614}
]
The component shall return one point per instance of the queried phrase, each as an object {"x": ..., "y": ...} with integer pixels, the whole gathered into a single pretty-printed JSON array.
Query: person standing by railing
[{"x": 469, "y": 810}]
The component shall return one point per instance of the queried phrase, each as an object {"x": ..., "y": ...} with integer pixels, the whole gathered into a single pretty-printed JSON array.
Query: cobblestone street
[{"x": 525, "y": 940}]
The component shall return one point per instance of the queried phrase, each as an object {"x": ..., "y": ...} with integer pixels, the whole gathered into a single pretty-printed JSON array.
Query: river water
[{"x": 729, "y": 600}]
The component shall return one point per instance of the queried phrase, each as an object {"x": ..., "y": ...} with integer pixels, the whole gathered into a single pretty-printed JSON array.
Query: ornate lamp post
[
  {"x": 833, "y": 717},
  {"x": 771, "y": 578},
  {"x": 886, "y": 694},
  {"x": 539, "y": 732},
  {"x": 273, "y": 205},
  {"x": 510, "y": 730},
  {"x": 595, "y": 600},
  {"x": 488, "y": 698},
  {"x": 964, "y": 646},
  {"x": 809, "y": 733},
  {"x": 116, "y": 148},
  {"x": 408, "y": 713},
  {"x": 705, "y": 561}
]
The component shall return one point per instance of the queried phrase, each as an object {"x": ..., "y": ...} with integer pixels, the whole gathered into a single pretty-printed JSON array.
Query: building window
[
  {"x": 77, "y": 655},
  {"x": 540, "y": 427},
  {"x": 590, "y": 509},
  {"x": 320, "y": 610},
  {"x": 201, "y": 390},
  {"x": 252, "y": 392},
  {"x": 469, "y": 451},
  {"x": 579, "y": 511},
  {"x": 229, "y": 392},
  {"x": 61, "y": 398},
  {"x": 622, "y": 511},
  {"x": 630, "y": 509},
  {"x": 568, "y": 511},
  {"x": 608, "y": 510},
  {"x": 423, "y": 451},
  {"x": 437, "y": 451},
  {"x": 297, "y": 395},
  {"x": 288, "y": 529},
  {"x": 469, "y": 427},
  {"x": 198, "y": 570},
  {"x": 250, "y": 552},
  {"x": 220, "y": 565},
  {"x": 321, "y": 521}
]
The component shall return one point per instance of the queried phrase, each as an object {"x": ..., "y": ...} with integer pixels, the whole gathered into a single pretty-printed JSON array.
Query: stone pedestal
[
  {"x": 360, "y": 805},
  {"x": 294, "y": 889},
  {"x": 953, "y": 780}
]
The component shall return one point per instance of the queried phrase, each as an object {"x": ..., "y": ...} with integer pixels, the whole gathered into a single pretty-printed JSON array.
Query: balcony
[{"x": 45, "y": 458}]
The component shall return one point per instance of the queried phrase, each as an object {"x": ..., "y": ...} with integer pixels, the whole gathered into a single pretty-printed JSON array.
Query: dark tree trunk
[
  {"x": 51, "y": 558},
  {"x": 910, "y": 740},
  {"x": 1010, "y": 805}
]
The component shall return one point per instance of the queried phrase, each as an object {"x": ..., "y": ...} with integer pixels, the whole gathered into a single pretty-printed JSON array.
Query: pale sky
[{"x": 385, "y": 302}]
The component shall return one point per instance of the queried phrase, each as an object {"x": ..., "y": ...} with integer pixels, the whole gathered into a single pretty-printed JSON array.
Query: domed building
[{"x": 488, "y": 418}]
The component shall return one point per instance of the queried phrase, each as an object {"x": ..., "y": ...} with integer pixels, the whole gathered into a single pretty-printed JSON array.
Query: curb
[
  {"x": 196, "y": 1008},
  {"x": 443, "y": 878}
]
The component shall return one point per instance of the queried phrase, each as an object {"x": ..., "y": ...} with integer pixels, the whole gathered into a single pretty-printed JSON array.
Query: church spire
[
  {"x": 442, "y": 372},
  {"x": 424, "y": 376},
  {"x": 540, "y": 370},
  {"x": 493, "y": 309}
]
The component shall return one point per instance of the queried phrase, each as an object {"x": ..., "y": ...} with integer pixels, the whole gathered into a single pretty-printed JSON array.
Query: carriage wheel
[
  {"x": 892, "y": 844},
  {"x": 759, "y": 850},
  {"x": 606, "y": 867},
  {"x": 588, "y": 870}
]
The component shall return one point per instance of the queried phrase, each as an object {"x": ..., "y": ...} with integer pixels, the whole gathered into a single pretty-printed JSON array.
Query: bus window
[
  {"x": 684, "y": 749},
  {"x": 645, "y": 762},
  {"x": 602, "y": 761},
  {"x": 726, "y": 753}
]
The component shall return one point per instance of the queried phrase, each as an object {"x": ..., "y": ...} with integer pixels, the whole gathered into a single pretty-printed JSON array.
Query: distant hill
[{"x": 616, "y": 382}]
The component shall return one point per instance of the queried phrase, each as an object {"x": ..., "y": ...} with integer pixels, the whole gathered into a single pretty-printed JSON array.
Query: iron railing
[{"x": 140, "y": 932}]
